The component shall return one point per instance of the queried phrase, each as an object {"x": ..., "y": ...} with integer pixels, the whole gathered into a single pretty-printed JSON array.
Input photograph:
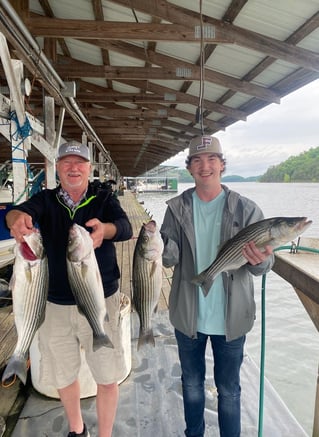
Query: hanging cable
[{"x": 200, "y": 110}]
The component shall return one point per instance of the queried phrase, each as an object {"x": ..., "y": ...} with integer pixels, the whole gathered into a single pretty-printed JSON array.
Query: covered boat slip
[{"x": 150, "y": 397}]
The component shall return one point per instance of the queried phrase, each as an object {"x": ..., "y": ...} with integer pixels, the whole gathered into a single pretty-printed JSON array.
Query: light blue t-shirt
[{"x": 207, "y": 223}]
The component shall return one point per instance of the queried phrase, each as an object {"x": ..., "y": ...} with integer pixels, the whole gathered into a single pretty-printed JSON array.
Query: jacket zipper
[{"x": 72, "y": 213}]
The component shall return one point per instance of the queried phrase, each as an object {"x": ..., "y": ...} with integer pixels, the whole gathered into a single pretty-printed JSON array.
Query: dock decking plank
[{"x": 8, "y": 334}]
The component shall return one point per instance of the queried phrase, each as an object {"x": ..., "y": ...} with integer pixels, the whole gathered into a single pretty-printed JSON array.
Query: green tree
[{"x": 301, "y": 168}]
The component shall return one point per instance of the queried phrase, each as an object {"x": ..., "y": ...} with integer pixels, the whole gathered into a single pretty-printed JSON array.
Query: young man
[
  {"x": 195, "y": 225},
  {"x": 65, "y": 329}
]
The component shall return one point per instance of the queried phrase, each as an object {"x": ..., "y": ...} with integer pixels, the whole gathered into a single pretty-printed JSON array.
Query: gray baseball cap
[
  {"x": 74, "y": 148},
  {"x": 204, "y": 144}
]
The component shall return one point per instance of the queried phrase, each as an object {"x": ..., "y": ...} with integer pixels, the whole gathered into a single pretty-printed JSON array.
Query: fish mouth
[
  {"x": 150, "y": 226},
  {"x": 304, "y": 223}
]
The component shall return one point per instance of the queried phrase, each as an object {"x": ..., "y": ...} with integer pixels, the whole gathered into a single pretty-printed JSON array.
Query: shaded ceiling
[{"x": 151, "y": 74}]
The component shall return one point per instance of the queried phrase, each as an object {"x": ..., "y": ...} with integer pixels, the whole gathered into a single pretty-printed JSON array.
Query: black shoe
[{"x": 84, "y": 433}]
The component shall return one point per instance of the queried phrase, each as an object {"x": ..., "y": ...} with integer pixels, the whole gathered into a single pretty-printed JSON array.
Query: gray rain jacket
[{"x": 179, "y": 252}]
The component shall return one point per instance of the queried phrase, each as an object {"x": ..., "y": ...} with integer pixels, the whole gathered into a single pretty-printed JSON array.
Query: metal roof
[{"x": 152, "y": 74}]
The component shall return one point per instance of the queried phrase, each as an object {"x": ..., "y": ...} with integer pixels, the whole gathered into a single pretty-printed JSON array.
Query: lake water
[{"x": 292, "y": 347}]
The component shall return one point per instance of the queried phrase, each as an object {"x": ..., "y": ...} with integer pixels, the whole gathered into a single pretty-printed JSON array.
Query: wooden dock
[{"x": 13, "y": 398}]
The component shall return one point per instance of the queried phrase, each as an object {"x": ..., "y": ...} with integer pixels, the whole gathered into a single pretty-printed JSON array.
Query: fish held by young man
[
  {"x": 147, "y": 278},
  {"x": 273, "y": 232},
  {"x": 29, "y": 285},
  {"x": 86, "y": 283}
]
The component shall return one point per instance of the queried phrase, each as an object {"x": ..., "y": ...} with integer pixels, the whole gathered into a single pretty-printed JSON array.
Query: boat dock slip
[{"x": 150, "y": 397}]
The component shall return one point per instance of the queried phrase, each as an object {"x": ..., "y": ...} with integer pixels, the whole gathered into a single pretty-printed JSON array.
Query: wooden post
[
  {"x": 20, "y": 146},
  {"x": 49, "y": 133}
]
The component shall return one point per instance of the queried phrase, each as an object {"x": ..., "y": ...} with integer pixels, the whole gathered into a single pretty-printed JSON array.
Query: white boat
[
  {"x": 5, "y": 195},
  {"x": 7, "y": 252}
]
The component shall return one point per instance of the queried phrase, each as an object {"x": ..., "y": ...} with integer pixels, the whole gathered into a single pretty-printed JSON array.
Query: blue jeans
[{"x": 228, "y": 357}]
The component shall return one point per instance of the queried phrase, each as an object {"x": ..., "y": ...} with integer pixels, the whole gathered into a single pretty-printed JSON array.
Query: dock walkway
[{"x": 150, "y": 397}]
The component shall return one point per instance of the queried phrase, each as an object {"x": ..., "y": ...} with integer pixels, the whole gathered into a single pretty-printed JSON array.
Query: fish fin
[
  {"x": 206, "y": 286},
  {"x": 146, "y": 337},
  {"x": 100, "y": 341},
  {"x": 28, "y": 275},
  {"x": 80, "y": 310},
  {"x": 12, "y": 282},
  {"x": 204, "y": 282},
  {"x": 17, "y": 366},
  {"x": 84, "y": 269},
  {"x": 153, "y": 268}
]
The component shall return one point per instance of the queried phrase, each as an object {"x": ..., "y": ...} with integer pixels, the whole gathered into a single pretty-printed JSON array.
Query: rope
[
  {"x": 294, "y": 250},
  {"x": 22, "y": 131},
  {"x": 262, "y": 357}
]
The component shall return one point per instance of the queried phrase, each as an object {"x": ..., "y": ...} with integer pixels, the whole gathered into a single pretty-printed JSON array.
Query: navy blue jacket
[{"x": 54, "y": 220}]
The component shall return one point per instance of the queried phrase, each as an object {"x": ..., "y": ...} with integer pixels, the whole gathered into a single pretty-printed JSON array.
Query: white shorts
[{"x": 64, "y": 331}]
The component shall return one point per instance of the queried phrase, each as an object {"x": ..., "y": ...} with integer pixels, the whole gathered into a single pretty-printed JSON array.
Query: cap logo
[
  {"x": 204, "y": 144},
  {"x": 73, "y": 149}
]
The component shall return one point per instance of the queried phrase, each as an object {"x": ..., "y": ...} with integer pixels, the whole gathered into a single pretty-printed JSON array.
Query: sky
[{"x": 270, "y": 136}]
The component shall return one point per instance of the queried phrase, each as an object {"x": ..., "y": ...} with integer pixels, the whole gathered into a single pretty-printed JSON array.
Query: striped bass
[
  {"x": 86, "y": 283},
  {"x": 147, "y": 278},
  {"x": 272, "y": 232},
  {"x": 29, "y": 284}
]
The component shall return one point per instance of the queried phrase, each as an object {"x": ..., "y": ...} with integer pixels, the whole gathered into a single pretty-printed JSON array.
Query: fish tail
[
  {"x": 100, "y": 341},
  {"x": 145, "y": 337},
  {"x": 203, "y": 281},
  {"x": 17, "y": 366}
]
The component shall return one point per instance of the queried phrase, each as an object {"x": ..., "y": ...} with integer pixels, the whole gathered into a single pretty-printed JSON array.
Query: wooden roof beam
[
  {"x": 222, "y": 32},
  {"x": 188, "y": 98},
  {"x": 172, "y": 69},
  {"x": 253, "y": 40}
]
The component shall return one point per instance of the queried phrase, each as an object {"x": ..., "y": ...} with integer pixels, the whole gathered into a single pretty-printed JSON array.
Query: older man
[{"x": 65, "y": 329}]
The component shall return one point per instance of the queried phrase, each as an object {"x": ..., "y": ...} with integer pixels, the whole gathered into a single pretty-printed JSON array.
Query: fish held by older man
[
  {"x": 147, "y": 278},
  {"x": 86, "y": 283},
  {"x": 29, "y": 285},
  {"x": 273, "y": 232}
]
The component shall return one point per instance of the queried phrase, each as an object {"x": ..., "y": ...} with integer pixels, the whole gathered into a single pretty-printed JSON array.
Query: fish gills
[
  {"x": 268, "y": 232},
  {"x": 147, "y": 279},
  {"x": 29, "y": 284},
  {"x": 86, "y": 283}
]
